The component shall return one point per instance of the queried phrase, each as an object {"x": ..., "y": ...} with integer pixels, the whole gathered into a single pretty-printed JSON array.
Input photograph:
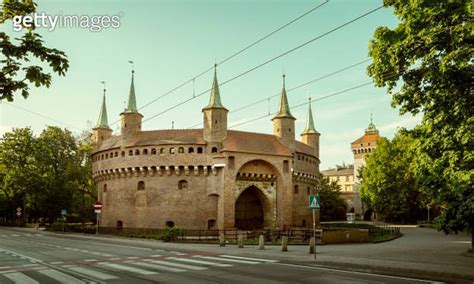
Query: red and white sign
[{"x": 98, "y": 207}]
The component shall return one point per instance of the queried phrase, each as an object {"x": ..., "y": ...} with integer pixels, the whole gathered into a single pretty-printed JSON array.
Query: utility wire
[
  {"x": 387, "y": 75},
  {"x": 235, "y": 54},
  {"x": 41, "y": 115},
  {"x": 294, "y": 88},
  {"x": 269, "y": 61},
  {"x": 306, "y": 103}
]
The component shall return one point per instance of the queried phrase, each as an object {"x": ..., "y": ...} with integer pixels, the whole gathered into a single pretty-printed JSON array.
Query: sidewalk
[{"x": 420, "y": 252}]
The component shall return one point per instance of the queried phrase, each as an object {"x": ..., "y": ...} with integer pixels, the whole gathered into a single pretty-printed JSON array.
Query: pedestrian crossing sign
[{"x": 314, "y": 202}]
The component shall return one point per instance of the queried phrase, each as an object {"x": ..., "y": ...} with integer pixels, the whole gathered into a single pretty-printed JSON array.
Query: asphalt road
[{"x": 36, "y": 257}]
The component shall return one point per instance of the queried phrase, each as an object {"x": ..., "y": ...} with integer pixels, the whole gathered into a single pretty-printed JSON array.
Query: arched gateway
[{"x": 249, "y": 209}]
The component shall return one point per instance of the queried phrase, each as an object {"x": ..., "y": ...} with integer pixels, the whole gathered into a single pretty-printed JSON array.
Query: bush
[{"x": 171, "y": 234}]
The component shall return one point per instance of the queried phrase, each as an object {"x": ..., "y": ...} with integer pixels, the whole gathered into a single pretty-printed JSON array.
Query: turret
[
  {"x": 310, "y": 136},
  {"x": 101, "y": 131},
  {"x": 284, "y": 121},
  {"x": 215, "y": 115},
  {"x": 131, "y": 119}
]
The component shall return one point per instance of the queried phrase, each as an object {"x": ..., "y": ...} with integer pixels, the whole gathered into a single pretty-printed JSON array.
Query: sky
[{"x": 172, "y": 41}]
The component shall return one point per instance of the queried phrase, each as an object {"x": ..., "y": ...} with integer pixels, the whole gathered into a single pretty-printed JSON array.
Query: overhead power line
[
  {"x": 228, "y": 58},
  {"x": 41, "y": 115},
  {"x": 294, "y": 88},
  {"x": 268, "y": 61},
  {"x": 306, "y": 103}
]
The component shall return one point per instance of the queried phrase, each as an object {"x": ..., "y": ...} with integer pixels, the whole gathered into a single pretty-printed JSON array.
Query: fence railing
[{"x": 294, "y": 235}]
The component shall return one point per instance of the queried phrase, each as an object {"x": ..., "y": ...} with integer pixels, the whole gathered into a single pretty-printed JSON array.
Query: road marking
[
  {"x": 90, "y": 260},
  {"x": 159, "y": 267},
  {"x": 14, "y": 235},
  {"x": 85, "y": 251},
  {"x": 115, "y": 258},
  {"x": 57, "y": 262},
  {"x": 130, "y": 269},
  {"x": 21, "y": 278},
  {"x": 31, "y": 259},
  {"x": 227, "y": 259},
  {"x": 356, "y": 272},
  {"x": 155, "y": 255},
  {"x": 132, "y": 257},
  {"x": 5, "y": 267},
  {"x": 59, "y": 276},
  {"x": 200, "y": 262},
  {"x": 248, "y": 258},
  {"x": 185, "y": 266},
  {"x": 92, "y": 273}
]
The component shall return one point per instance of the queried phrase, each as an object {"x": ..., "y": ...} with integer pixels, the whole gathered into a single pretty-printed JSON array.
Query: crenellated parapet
[
  {"x": 305, "y": 177},
  {"x": 152, "y": 171}
]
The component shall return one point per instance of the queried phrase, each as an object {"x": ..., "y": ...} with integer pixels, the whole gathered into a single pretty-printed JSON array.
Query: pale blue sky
[{"x": 171, "y": 41}]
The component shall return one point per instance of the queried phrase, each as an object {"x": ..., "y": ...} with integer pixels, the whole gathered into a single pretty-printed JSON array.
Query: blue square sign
[{"x": 314, "y": 202}]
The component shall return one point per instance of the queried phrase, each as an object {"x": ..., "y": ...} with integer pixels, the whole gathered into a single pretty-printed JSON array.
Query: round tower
[
  {"x": 310, "y": 136},
  {"x": 130, "y": 118},
  {"x": 101, "y": 131},
  {"x": 215, "y": 115},
  {"x": 284, "y": 122}
]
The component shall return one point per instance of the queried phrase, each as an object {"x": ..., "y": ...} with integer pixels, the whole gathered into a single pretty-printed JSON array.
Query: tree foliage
[
  {"x": 431, "y": 51},
  {"x": 45, "y": 174},
  {"x": 333, "y": 207},
  {"x": 390, "y": 183},
  {"x": 17, "y": 70}
]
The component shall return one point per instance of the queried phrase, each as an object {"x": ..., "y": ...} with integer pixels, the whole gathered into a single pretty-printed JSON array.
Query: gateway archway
[{"x": 249, "y": 213}]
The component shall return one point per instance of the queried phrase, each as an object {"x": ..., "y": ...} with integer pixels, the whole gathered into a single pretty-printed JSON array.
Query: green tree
[
  {"x": 18, "y": 170},
  {"x": 390, "y": 184},
  {"x": 17, "y": 69},
  {"x": 333, "y": 207},
  {"x": 426, "y": 64},
  {"x": 45, "y": 174}
]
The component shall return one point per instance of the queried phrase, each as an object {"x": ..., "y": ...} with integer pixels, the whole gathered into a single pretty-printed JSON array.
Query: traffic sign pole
[
  {"x": 314, "y": 231},
  {"x": 97, "y": 210},
  {"x": 314, "y": 204}
]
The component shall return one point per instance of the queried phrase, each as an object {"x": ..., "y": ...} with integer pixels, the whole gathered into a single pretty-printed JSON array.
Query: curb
[{"x": 448, "y": 277}]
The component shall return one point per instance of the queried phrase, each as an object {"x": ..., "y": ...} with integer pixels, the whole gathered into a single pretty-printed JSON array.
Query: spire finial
[
  {"x": 133, "y": 68},
  {"x": 284, "y": 110},
  {"x": 309, "y": 129},
  {"x": 103, "y": 83},
  {"x": 132, "y": 100},
  {"x": 371, "y": 129},
  {"x": 102, "y": 122},
  {"x": 215, "y": 99}
]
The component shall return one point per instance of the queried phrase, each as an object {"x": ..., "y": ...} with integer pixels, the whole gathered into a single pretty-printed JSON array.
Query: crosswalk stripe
[
  {"x": 60, "y": 277},
  {"x": 92, "y": 273},
  {"x": 159, "y": 267},
  {"x": 248, "y": 258},
  {"x": 130, "y": 269},
  {"x": 227, "y": 259},
  {"x": 200, "y": 262},
  {"x": 185, "y": 266},
  {"x": 21, "y": 278}
]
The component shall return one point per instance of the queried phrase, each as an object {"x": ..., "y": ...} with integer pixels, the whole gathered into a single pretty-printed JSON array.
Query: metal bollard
[
  {"x": 240, "y": 241},
  {"x": 284, "y": 243},
  {"x": 222, "y": 240},
  {"x": 311, "y": 245},
  {"x": 261, "y": 242}
]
